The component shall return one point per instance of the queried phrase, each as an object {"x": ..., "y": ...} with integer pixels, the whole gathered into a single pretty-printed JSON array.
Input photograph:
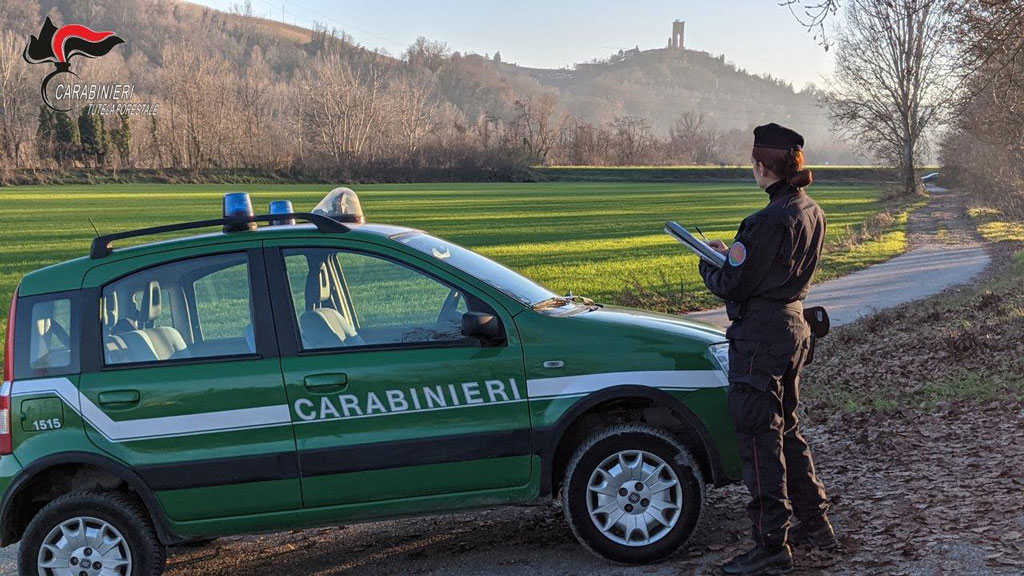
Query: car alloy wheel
[
  {"x": 634, "y": 498},
  {"x": 84, "y": 546}
]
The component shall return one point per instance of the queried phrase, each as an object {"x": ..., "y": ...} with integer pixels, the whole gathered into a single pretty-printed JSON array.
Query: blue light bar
[
  {"x": 238, "y": 205},
  {"x": 282, "y": 207}
]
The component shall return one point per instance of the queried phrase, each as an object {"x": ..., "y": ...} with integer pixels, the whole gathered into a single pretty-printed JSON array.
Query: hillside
[
  {"x": 658, "y": 84},
  {"x": 236, "y": 91}
]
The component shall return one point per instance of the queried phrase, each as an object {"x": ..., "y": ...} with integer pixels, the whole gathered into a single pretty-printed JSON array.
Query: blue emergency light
[
  {"x": 238, "y": 206},
  {"x": 282, "y": 207}
]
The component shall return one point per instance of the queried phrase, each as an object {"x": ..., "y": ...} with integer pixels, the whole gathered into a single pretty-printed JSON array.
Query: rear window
[{"x": 46, "y": 339}]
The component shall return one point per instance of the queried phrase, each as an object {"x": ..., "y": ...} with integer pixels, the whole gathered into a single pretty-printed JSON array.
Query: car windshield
[{"x": 522, "y": 289}]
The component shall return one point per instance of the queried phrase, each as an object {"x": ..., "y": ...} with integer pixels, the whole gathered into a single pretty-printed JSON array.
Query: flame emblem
[{"x": 59, "y": 45}]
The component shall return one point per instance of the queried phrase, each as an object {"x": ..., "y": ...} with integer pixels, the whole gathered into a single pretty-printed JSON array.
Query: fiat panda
[{"x": 306, "y": 369}]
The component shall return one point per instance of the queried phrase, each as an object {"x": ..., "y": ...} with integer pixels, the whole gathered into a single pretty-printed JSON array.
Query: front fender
[{"x": 547, "y": 440}]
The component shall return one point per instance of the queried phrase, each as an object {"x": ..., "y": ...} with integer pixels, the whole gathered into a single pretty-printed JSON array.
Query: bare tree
[
  {"x": 15, "y": 114},
  {"x": 342, "y": 105},
  {"x": 253, "y": 100},
  {"x": 414, "y": 109},
  {"x": 893, "y": 78},
  {"x": 693, "y": 140},
  {"x": 814, "y": 15},
  {"x": 429, "y": 54},
  {"x": 584, "y": 144},
  {"x": 632, "y": 140},
  {"x": 984, "y": 149},
  {"x": 537, "y": 125}
]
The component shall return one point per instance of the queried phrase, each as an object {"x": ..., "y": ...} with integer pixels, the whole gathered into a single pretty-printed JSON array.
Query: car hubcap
[
  {"x": 84, "y": 547},
  {"x": 634, "y": 498}
]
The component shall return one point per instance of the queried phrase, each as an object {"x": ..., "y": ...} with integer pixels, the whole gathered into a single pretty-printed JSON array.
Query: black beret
[{"x": 779, "y": 137}]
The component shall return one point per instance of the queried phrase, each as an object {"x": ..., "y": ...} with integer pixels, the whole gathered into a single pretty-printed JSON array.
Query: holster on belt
[{"x": 817, "y": 319}]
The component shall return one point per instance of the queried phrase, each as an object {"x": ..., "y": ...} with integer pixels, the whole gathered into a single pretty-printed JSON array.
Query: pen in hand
[{"x": 716, "y": 245}]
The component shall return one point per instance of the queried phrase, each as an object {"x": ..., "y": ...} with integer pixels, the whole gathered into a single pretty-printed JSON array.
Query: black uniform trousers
[{"x": 765, "y": 357}]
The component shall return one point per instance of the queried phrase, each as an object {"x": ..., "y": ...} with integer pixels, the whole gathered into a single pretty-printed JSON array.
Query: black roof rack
[{"x": 102, "y": 246}]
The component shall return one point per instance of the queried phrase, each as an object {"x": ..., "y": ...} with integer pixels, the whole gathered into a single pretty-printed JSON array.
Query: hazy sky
[{"x": 758, "y": 35}]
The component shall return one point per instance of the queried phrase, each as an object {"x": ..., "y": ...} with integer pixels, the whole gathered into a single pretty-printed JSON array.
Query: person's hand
[{"x": 719, "y": 246}]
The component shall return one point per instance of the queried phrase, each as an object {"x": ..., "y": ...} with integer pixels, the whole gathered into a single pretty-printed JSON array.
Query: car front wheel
[
  {"x": 91, "y": 533},
  {"x": 633, "y": 494}
]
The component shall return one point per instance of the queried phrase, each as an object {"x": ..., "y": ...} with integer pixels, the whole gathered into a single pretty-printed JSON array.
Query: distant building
[{"x": 676, "y": 39}]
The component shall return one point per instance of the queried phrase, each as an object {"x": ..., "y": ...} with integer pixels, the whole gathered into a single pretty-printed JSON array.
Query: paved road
[
  {"x": 944, "y": 252},
  {"x": 917, "y": 274}
]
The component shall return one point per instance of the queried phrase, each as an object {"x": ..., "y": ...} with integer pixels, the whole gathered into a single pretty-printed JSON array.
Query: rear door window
[{"x": 195, "y": 308}]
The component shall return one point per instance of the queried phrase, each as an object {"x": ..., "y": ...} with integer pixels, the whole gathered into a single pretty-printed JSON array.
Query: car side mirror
[{"x": 483, "y": 326}]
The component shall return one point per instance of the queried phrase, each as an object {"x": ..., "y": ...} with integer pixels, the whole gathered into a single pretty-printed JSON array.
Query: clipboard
[{"x": 697, "y": 246}]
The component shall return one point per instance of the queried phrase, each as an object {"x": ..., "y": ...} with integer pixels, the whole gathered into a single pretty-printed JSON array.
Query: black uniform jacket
[{"x": 771, "y": 260}]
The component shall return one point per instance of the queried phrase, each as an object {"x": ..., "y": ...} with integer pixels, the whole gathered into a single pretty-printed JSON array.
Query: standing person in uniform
[{"x": 764, "y": 280}]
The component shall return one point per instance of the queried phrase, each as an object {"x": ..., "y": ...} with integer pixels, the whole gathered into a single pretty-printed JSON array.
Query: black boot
[
  {"x": 760, "y": 561},
  {"x": 817, "y": 535}
]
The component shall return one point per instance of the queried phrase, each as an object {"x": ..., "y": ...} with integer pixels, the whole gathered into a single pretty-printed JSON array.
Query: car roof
[{"x": 68, "y": 275}]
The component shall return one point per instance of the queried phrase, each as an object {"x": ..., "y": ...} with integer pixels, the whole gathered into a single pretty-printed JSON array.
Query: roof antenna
[{"x": 94, "y": 227}]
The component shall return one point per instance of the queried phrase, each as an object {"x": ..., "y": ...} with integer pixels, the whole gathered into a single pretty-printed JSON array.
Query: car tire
[
  {"x": 620, "y": 488},
  {"x": 113, "y": 528}
]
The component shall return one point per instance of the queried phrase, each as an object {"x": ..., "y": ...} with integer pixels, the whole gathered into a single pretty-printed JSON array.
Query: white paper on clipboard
[{"x": 697, "y": 246}]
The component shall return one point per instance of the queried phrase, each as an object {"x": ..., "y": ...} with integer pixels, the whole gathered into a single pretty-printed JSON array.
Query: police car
[{"x": 307, "y": 369}]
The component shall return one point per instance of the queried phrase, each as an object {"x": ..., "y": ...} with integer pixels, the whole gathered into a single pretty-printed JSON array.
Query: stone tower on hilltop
[{"x": 676, "y": 39}]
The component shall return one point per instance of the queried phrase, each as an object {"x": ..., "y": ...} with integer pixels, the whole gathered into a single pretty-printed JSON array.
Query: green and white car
[{"x": 296, "y": 375}]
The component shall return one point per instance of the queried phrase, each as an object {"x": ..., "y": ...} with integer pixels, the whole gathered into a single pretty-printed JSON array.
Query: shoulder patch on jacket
[{"x": 737, "y": 254}]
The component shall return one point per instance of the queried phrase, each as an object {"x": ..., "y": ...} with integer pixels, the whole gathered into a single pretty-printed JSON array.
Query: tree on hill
[{"x": 429, "y": 54}]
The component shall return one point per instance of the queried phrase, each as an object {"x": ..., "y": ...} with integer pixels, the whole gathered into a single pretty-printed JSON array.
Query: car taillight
[
  {"x": 5, "y": 392},
  {"x": 6, "y": 445}
]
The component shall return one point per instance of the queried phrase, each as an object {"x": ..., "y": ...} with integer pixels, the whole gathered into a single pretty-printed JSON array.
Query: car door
[
  {"x": 389, "y": 399},
  {"x": 186, "y": 386}
]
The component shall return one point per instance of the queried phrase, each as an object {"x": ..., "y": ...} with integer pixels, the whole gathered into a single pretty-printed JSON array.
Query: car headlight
[{"x": 721, "y": 353}]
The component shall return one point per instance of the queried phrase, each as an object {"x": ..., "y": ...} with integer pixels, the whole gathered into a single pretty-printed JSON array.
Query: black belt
[
  {"x": 738, "y": 310},
  {"x": 756, "y": 304}
]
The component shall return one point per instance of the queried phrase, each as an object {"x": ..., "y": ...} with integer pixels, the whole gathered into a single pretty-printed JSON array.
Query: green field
[{"x": 599, "y": 239}]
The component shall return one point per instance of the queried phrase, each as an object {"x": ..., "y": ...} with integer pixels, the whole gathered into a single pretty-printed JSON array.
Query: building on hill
[{"x": 676, "y": 39}]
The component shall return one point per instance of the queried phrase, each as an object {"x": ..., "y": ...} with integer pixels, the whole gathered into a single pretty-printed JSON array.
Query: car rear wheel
[
  {"x": 91, "y": 533},
  {"x": 633, "y": 494}
]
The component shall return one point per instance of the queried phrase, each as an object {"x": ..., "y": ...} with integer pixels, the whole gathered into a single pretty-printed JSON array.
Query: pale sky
[{"x": 758, "y": 35}]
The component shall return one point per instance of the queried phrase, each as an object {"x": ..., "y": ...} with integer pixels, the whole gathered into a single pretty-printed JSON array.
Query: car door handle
[
  {"x": 120, "y": 398},
  {"x": 325, "y": 382}
]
